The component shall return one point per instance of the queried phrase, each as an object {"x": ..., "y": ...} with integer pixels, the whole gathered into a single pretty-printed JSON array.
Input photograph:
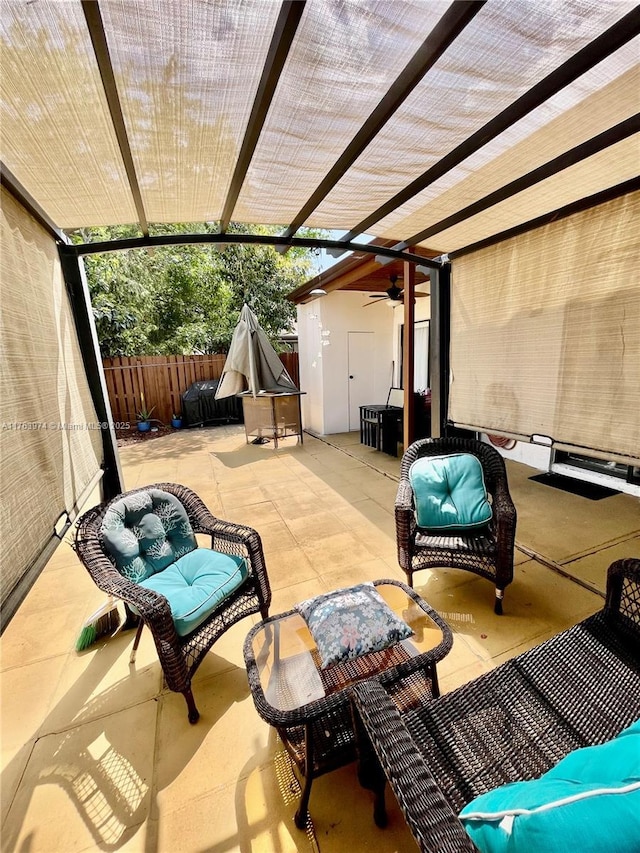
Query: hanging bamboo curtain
[
  {"x": 545, "y": 334},
  {"x": 51, "y": 446}
]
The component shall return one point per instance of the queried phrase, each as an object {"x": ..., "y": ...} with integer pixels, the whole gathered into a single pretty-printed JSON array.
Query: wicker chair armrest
[
  {"x": 503, "y": 503},
  {"x": 505, "y": 516},
  {"x": 229, "y": 537},
  {"x": 623, "y": 596},
  {"x": 405, "y": 523},
  {"x": 151, "y": 605},
  {"x": 226, "y": 531},
  {"x": 404, "y": 497},
  {"x": 433, "y": 822}
]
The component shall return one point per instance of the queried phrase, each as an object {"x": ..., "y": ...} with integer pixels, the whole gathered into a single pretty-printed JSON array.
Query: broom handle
[{"x": 105, "y": 607}]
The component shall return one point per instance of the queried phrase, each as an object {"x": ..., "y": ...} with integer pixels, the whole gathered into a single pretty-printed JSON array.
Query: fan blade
[{"x": 394, "y": 302}]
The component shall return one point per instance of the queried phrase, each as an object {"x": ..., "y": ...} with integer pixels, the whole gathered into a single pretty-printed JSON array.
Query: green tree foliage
[{"x": 187, "y": 299}]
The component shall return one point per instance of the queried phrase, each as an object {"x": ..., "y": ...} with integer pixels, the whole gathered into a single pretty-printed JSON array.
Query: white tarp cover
[
  {"x": 545, "y": 334},
  {"x": 252, "y": 364},
  {"x": 51, "y": 443},
  {"x": 187, "y": 73}
]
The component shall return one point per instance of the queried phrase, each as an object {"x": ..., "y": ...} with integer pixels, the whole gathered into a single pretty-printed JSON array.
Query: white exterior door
[{"x": 360, "y": 375}]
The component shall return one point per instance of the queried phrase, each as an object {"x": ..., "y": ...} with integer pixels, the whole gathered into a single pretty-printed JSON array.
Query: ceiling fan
[{"x": 391, "y": 294}]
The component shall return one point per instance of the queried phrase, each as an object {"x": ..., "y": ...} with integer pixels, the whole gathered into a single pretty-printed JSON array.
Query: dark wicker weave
[
  {"x": 319, "y": 735},
  {"x": 579, "y": 688},
  {"x": 489, "y": 552},
  {"x": 181, "y": 656}
]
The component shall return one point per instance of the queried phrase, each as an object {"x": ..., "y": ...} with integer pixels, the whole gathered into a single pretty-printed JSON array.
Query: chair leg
[
  {"x": 497, "y": 607},
  {"x": 132, "y": 620},
  {"x": 194, "y": 714},
  {"x": 136, "y": 643},
  {"x": 302, "y": 814}
]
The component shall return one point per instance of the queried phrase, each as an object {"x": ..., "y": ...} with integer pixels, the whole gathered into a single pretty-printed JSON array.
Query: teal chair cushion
[
  {"x": 590, "y": 801},
  {"x": 449, "y": 492},
  {"x": 196, "y": 584},
  {"x": 145, "y": 532}
]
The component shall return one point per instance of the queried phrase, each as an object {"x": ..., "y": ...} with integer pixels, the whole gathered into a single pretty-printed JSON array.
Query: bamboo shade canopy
[{"x": 434, "y": 124}]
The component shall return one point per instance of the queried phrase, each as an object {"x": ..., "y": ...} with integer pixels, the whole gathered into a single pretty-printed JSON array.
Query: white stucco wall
[
  {"x": 310, "y": 368},
  {"x": 323, "y": 328}
]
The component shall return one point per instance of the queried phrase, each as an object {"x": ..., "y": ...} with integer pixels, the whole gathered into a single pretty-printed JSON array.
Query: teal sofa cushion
[
  {"x": 590, "y": 801},
  {"x": 350, "y": 622},
  {"x": 449, "y": 492},
  {"x": 196, "y": 584},
  {"x": 145, "y": 532}
]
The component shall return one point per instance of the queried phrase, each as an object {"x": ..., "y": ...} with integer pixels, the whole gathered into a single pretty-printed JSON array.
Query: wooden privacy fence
[{"x": 163, "y": 380}]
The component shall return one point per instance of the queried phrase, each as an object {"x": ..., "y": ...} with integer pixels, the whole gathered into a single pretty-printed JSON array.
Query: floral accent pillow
[{"x": 351, "y": 622}]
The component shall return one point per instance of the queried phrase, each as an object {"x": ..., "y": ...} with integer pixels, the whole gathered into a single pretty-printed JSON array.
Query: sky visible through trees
[{"x": 186, "y": 299}]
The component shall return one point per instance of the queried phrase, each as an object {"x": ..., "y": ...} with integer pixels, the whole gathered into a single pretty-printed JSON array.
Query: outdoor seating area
[
  {"x": 433, "y": 204},
  {"x": 98, "y": 753}
]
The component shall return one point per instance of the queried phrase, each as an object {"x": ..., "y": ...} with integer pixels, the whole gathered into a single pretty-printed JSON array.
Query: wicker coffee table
[{"x": 310, "y": 706}]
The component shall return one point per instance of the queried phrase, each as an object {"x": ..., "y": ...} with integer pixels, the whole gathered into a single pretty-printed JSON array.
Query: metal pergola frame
[
  {"x": 443, "y": 35},
  {"x": 453, "y": 22},
  {"x": 451, "y": 25}
]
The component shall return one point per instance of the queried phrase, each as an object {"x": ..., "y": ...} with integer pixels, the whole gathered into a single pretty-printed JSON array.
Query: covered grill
[{"x": 200, "y": 407}]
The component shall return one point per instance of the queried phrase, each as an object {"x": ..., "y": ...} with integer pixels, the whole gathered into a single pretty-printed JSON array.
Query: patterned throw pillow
[{"x": 351, "y": 622}]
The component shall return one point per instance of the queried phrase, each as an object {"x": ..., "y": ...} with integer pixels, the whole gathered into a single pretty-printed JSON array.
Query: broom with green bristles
[{"x": 103, "y": 623}]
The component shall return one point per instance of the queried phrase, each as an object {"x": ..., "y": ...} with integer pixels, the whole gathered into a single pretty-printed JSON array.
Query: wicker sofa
[{"x": 579, "y": 688}]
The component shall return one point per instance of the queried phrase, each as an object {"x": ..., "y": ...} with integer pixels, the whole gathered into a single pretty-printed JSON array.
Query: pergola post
[
  {"x": 80, "y": 302},
  {"x": 408, "y": 347},
  {"x": 439, "y": 339}
]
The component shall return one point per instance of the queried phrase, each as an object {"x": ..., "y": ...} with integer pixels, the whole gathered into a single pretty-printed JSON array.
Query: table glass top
[{"x": 289, "y": 666}]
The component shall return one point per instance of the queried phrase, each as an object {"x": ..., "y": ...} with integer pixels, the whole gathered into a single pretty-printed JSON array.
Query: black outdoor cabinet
[
  {"x": 200, "y": 407},
  {"x": 382, "y": 427}
]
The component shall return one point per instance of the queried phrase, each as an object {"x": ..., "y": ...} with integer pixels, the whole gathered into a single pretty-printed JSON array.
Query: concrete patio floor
[{"x": 99, "y": 756}]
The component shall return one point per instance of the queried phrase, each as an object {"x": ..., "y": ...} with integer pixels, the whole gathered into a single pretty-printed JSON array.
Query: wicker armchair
[
  {"x": 179, "y": 656},
  {"x": 579, "y": 688},
  {"x": 489, "y": 552}
]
